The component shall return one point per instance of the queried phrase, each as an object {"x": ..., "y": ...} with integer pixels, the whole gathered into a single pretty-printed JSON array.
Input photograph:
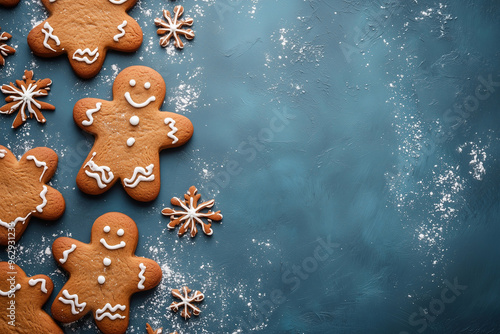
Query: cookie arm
[
  {"x": 41, "y": 287},
  {"x": 149, "y": 274},
  {"x": 44, "y": 41},
  {"x": 175, "y": 129},
  {"x": 40, "y": 161},
  {"x": 53, "y": 207},
  {"x": 86, "y": 113},
  {"x": 66, "y": 252},
  {"x": 128, "y": 37}
]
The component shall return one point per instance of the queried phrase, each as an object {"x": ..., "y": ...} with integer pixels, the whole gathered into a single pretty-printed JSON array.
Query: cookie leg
[
  {"x": 143, "y": 184},
  {"x": 87, "y": 61},
  {"x": 68, "y": 306},
  {"x": 113, "y": 318},
  {"x": 95, "y": 177}
]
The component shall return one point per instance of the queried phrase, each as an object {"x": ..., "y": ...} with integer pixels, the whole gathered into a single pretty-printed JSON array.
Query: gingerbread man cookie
[
  {"x": 85, "y": 30},
  {"x": 24, "y": 192},
  {"x": 21, "y": 300},
  {"x": 103, "y": 274},
  {"x": 130, "y": 131}
]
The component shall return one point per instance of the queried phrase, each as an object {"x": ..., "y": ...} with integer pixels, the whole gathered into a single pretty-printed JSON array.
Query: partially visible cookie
[
  {"x": 85, "y": 30},
  {"x": 5, "y": 50},
  {"x": 8, "y": 3},
  {"x": 24, "y": 192},
  {"x": 130, "y": 131},
  {"x": 158, "y": 331},
  {"x": 103, "y": 274},
  {"x": 21, "y": 301}
]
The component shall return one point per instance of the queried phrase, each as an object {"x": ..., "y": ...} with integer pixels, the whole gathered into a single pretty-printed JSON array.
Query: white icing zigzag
[
  {"x": 136, "y": 178},
  {"x": 140, "y": 285},
  {"x": 39, "y": 208},
  {"x": 66, "y": 253},
  {"x": 99, "y": 314},
  {"x": 33, "y": 282},
  {"x": 73, "y": 301},
  {"x": 122, "y": 31},
  {"x": 8, "y": 293},
  {"x": 101, "y": 169},
  {"x": 48, "y": 34},
  {"x": 85, "y": 52},
  {"x": 38, "y": 164},
  {"x": 171, "y": 123},
  {"x": 89, "y": 114}
]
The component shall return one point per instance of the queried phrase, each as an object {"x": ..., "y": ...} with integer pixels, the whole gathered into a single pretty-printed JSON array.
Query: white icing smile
[
  {"x": 138, "y": 105},
  {"x": 112, "y": 247}
]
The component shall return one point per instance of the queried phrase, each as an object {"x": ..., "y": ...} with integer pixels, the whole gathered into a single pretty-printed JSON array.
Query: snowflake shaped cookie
[
  {"x": 5, "y": 50},
  {"x": 103, "y": 274},
  {"x": 174, "y": 27},
  {"x": 23, "y": 96},
  {"x": 130, "y": 131},
  {"x": 158, "y": 331},
  {"x": 191, "y": 214},
  {"x": 85, "y": 30},
  {"x": 186, "y": 303},
  {"x": 24, "y": 192},
  {"x": 21, "y": 300}
]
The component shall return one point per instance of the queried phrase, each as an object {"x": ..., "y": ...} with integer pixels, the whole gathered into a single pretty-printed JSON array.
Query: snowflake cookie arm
[
  {"x": 86, "y": 113},
  {"x": 44, "y": 38},
  {"x": 148, "y": 274},
  {"x": 5, "y": 50}
]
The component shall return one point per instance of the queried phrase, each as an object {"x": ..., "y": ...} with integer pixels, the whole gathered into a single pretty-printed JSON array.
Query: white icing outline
[
  {"x": 113, "y": 247},
  {"x": 171, "y": 124},
  {"x": 136, "y": 178},
  {"x": 140, "y": 285},
  {"x": 38, "y": 164},
  {"x": 73, "y": 301},
  {"x": 48, "y": 34},
  {"x": 84, "y": 58},
  {"x": 89, "y": 113},
  {"x": 66, "y": 253},
  {"x": 3, "y": 153},
  {"x": 122, "y": 31},
  {"x": 102, "y": 169},
  {"x": 113, "y": 309},
  {"x": 138, "y": 105},
  {"x": 8, "y": 293},
  {"x": 33, "y": 282}
]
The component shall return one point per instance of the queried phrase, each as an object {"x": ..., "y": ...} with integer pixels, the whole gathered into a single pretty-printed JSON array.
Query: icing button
[
  {"x": 134, "y": 120},
  {"x": 101, "y": 280},
  {"x": 130, "y": 141},
  {"x": 106, "y": 261}
]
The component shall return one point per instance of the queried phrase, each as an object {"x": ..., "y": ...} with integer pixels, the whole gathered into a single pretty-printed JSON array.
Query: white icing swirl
[
  {"x": 140, "y": 174},
  {"x": 94, "y": 54},
  {"x": 48, "y": 34},
  {"x": 89, "y": 113},
  {"x": 66, "y": 253},
  {"x": 122, "y": 31},
  {"x": 38, "y": 164},
  {"x": 171, "y": 123},
  {"x": 100, "y": 178},
  {"x": 73, "y": 301}
]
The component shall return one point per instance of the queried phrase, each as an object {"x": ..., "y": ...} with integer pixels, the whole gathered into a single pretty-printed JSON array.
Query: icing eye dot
[
  {"x": 107, "y": 229},
  {"x": 120, "y": 232},
  {"x": 106, "y": 261},
  {"x": 147, "y": 85},
  {"x": 132, "y": 83},
  {"x": 101, "y": 279}
]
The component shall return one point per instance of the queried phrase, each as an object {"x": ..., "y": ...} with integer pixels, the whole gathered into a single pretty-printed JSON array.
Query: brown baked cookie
[
  {"x": 24, "y": 192},
  {"x": 103, "y": 274},
  {"x": 172, "y": 27},
  {"x": 8, "y": 3},
  {"x": 130, "y": 131},
  {"x": 21, "y": 301},
  {"x": 152, "y": 331},
  {"x": 23, "y": 98},
  {"x": 85, "y": 30},
  {"x": 5, "y": 50},
  {"x": 186, "y": 305}
]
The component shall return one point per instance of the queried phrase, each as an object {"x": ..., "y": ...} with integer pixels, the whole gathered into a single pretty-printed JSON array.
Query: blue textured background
[{"x": 381, "y": 149}]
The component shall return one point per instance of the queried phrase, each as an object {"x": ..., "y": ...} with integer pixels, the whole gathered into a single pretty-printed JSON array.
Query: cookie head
[
  {"x": 114, "y": 232},
  {"x": 140, "y": 87}
]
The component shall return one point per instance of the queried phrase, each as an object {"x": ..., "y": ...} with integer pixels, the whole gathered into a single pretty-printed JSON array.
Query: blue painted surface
[{"x": 353, "y": 191}]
